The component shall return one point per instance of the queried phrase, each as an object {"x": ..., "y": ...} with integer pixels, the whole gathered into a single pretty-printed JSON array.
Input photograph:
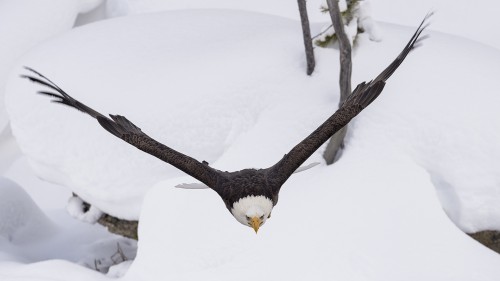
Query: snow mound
[
  {"x": 26, "y": 23},
  {"x": 77, "y": 210},
  {"x": 21, "y": 221},
  {"x": 377, "y": 226},
  {"x": 214, "y": 91},
  {"x": 442, "y": 113}
]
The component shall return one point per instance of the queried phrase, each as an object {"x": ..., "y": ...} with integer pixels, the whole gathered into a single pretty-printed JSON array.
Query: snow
[
  {"x": 361, "y": 19},
  {"x": 475, "y": 21},
  {"x": 43, "y": 20},
  {"x": 342, "y": 5},
  {"x": 86, "y": 6},
  {"x": 223, "y": 102},
  {"x": 77, "y": 210},
  {"x": 367, "y": 22},
  {"x": 30, "y": 235},
  {"x": 234, "y": 116},
  {"x": 280, "y": 8},
  {"x": 8, "y": 149},
  {"x": 420, "y": 164},
  {"x": 351, "y": 30},
  {"x": 461, "y": 159},
  {"x": 380, "y": 225},
  {"x": 21, "y": 221}
]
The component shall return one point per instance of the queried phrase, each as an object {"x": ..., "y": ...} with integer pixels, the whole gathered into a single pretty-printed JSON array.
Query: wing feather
[
  {"x": 359, "y": 99},
  {"x": 122, "y": 128}
]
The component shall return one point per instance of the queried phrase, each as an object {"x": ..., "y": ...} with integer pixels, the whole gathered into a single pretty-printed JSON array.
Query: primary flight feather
[{"x": 249, "y": 194}]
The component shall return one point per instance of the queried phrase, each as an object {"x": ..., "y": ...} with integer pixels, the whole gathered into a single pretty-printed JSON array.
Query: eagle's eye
[
  {"x": 248, "y": 218},
  {"x": 262, "y": 217}
]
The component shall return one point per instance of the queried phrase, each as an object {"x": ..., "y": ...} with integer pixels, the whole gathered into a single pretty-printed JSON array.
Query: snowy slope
[{"x": 210, "y": 87}]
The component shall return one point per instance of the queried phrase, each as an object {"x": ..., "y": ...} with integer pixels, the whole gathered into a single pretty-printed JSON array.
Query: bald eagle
[{"x": 249, "y": 194}]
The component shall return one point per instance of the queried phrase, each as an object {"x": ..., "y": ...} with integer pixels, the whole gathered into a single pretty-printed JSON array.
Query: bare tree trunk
[
  {"x": 334, "y": 146},
  {"x": 337, "y": 140},
  {"x": 306, "y": 32}
]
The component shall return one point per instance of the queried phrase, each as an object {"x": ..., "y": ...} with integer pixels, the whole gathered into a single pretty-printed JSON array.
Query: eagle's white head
[{"x": 252, "y": 211}]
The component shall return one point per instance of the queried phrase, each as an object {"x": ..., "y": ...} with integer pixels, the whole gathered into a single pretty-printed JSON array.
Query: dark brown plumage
[{"x": 247, "y": 183}]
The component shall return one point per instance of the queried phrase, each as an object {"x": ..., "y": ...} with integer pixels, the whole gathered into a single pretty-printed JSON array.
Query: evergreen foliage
[{"x": 328, "y": 36}]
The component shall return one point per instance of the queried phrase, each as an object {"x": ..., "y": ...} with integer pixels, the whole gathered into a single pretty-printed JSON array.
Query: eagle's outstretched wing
[
  {"x": 127, "y": 131},
  {"x": 360, "y": 98}
]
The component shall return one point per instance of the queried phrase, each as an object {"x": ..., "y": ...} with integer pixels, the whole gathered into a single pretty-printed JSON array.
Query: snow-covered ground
[{"x": 229, "y": 87}]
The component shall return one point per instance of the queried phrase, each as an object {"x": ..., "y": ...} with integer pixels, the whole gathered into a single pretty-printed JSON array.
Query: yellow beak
[{"x": 255, "y": 222}]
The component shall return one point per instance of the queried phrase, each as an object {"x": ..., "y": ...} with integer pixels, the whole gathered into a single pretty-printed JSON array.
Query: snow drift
[{"x": 230, "y": 88}]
